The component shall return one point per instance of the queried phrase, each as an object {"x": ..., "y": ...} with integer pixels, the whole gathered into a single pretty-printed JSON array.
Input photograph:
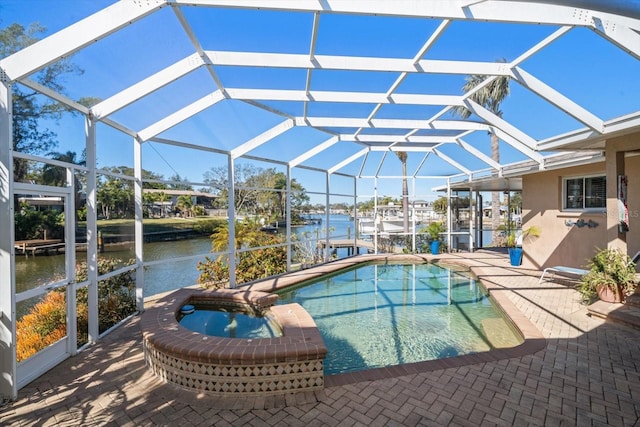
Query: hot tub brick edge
[{"x": 293, "y": 362}]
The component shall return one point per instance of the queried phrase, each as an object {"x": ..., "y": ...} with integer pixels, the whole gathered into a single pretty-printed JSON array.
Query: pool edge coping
[{"x": 533, "y": 340}]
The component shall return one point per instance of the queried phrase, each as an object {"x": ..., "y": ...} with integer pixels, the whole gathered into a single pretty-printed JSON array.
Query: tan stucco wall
[{"x": 572, "y": 246}]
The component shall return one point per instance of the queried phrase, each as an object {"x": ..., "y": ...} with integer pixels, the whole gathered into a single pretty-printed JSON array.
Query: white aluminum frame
[{"x": 616, "y": 23}]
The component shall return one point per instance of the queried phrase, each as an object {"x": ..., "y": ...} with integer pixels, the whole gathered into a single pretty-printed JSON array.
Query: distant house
[
  {"x": 44, "y": 202},
  {"x": 163, "y": 207}
]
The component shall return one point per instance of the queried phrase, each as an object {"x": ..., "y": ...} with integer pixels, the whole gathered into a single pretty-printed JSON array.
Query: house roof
[
  {"x": 335, "y": 85},
  {"x": 170, "y": 192}
]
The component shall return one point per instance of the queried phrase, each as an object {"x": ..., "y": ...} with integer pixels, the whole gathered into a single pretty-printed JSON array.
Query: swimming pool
[{"x": 377, "y": 315}]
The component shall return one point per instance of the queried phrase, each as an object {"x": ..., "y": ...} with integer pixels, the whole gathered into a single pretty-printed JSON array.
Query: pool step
[{"x": 498, "y": 332}]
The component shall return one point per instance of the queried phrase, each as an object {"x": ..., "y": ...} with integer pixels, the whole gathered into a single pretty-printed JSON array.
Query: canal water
[{"x": 159, "y": 277}]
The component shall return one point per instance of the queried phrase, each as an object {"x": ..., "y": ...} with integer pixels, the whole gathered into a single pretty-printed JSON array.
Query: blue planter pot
[
  {"x": 435, "y": 247},
  {"x": 515, "y": 256}
]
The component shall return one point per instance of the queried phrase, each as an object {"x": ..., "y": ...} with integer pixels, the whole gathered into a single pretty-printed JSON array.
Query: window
[{"x": 585, "y": 192}]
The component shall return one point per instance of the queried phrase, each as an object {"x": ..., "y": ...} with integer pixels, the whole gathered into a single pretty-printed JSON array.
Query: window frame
[{"x": 565, "y": 179}]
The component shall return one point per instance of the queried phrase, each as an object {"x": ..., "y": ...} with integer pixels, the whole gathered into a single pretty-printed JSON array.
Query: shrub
[
  {"x": 46, "y": 322},
  {"x": 116, "y": 295},
  {"x": 207, "y": 226},
  {"x": 251, "y": 265},
  {"x": 610, "y": 268}
]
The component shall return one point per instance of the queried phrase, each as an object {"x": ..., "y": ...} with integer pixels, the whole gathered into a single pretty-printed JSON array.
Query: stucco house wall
[{"x": 569, "y": 245}]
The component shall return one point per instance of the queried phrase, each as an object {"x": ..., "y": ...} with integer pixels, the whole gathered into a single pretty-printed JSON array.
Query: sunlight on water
[{"x": 383, "y": 315}]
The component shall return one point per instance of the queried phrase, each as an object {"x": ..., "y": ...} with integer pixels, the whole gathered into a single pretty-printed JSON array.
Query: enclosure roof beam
[
  {"x": 479, "y": 154},
  {"x": 355, "y": 63},
  {"x": 146, "y": 86},
  {"x": 55, "y": 95},
  {"x": 71, "y": 39},
  {"x": 315, "y": 150},
  {"x": 540, "y": 45},
  {"x": 394, "y": 138},
  {"x": 335, "y": 96},
  {"x": 422, "y": 162},
  {"x": 181, "y": 115},
  {"x": 559, "y": 100},
  {"x": 188, "y": 145},
  {"x": 349, "y": 122},
  {"x": 518, "y": 145},
  {"x": 617, "y": 126},
  {"x": 559, "y": 12},
  {"x": 396, "y": 148},
  {"x": 625, "y": 37},
  {"x": 199, "y": 49},
  {"x": 312, "y": 52},
  {"x": 262, "y": 139},
  {"x": 348, "y": 160},
  {"x": 451, "y": 161},
  {"x": 432, "y": 39},
  {"x": 500, "y": 123}
]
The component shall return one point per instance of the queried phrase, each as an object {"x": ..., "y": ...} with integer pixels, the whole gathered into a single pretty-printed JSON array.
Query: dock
[
  {"x": 31, "y": 247},
  {"x": 43, "y": 247},
  {"x": 352, "y": 247}
]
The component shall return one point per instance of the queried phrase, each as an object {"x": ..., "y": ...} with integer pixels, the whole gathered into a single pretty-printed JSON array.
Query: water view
[{"x": 33, "y": 271}]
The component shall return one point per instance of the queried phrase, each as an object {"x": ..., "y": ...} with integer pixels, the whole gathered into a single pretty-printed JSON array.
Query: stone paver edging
[{"x": 588, "y": 375}]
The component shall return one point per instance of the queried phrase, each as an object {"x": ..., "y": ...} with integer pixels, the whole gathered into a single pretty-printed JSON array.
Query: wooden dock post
[{"x": 100, "y": 242}]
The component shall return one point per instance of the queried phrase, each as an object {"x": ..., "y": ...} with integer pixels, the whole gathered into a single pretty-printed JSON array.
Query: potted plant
[
  {"x": 514, "y": 243},
  {"x": 433, "y": 230},
  {"x": 611, "y": 276}
]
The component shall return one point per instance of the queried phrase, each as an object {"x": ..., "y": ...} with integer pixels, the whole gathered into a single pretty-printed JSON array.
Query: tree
[
  {"x": 176, "y": 179},
  {"x": 490, "y": 97},
  {"x": 298, "y": 195},
  {"x": 57, "y": 176},
  {"x": 116, "y": 195},
  {"x": 257, "y": 191},
  {"x": 218, "y": 178},
  {"x": 440, "y": 205},
  {"x": 185, "y": 205},
  {"x": 29, "y": 109},
  {"x": 250, "y": 264},
  {"x": 402, "y": 155}
]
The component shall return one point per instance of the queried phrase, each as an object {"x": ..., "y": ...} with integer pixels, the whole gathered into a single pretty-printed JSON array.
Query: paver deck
[{"x": 588, "y": 373}]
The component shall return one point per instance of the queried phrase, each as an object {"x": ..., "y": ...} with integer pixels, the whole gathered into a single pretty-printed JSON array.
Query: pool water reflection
[
  {"x": 379, "y": 315},
  {"x": 229, "y": 323}
]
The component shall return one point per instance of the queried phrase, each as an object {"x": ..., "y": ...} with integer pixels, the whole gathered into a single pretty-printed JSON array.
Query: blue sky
[{"x": 581, "y": 65}]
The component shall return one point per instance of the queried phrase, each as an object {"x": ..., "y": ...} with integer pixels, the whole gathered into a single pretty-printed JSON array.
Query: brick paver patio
[{"x": 587, "y": 374}]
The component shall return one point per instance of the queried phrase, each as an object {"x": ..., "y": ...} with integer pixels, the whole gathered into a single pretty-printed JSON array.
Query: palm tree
[
  {"x": 162, "y": 198},
  {"x": 402, "y": 155},
  {"x": 57, "y": 175},
  {"x": 490, "y": 97},
  {"x": 185, "y": 204},
  {"x": 246, "y": 233}
]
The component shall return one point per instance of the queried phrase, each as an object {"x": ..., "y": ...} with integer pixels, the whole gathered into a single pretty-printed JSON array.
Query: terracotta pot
[{"x": 606, "y": 294}]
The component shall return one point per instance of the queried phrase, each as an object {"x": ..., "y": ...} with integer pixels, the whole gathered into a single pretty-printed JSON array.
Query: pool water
[
  {"x": 379, "y": 315},
  {"x": 228, "y": 323}
]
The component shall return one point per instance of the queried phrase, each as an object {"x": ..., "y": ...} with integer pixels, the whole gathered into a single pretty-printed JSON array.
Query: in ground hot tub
[
  {"x": 227, "y": 366},
  {"x": 229, "y": 321}
]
